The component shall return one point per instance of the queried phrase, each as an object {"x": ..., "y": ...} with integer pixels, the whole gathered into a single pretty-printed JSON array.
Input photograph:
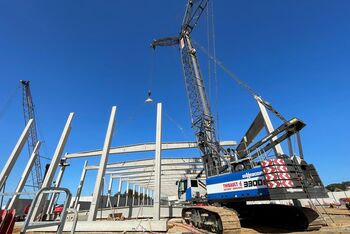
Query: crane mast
[
  {"x": 28, "y": 111},
  {"x": 201, "y": 115}
]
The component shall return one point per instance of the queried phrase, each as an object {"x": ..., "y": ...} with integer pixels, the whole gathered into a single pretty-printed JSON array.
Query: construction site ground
[{"x": 338, "y": 222}]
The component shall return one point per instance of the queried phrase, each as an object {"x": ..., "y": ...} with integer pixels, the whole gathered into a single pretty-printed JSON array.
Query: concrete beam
[
  {"x": 151, "y": 173},
  {"x": 143, "y": 148},
  {"x": 179, "y": 169},
  {"x": 164, "y": 168},
  {"x": 151, "y": 176},
  {"x": 102, "y": 167},
  {"x": 150, "y": 163}
]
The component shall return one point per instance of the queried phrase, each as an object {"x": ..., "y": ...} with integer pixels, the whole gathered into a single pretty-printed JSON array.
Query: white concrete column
[
  {"x": 152, "y": 197},
  {"x": 143, "y": 195},
  {"x": 119, "y": 191},
  {"x": 127, "y": 193},
  {"x": 157, "y": 167},
  {"x": 25, "y": 175},
  {"x": 15, "y": 153},
  {"x": 57, "y": 184},
  {"x": 109, "y": 192},
  {"x": 139, "y": 196},
  {"x": 102, "y": 167},
  {"x": 133, "y": 194},
  {"x": 80, "y": 186},
  {"x": 53, "y": 166},
  {"x": 146, "y": 196}
]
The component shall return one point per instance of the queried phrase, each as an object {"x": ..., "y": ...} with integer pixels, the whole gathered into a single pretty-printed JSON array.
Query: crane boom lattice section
[
  {"x": 202, "y": 120},
  {"x": 28, "y": 111}
]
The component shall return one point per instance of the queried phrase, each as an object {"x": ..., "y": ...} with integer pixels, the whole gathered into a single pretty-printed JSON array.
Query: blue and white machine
[{"x": 250, "y": 183}]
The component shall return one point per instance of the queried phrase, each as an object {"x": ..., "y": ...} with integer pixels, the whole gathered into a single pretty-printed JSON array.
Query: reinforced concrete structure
[{"x": 148, "y": 182}]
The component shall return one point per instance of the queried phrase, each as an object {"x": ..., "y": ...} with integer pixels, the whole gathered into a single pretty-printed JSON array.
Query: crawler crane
[{"x": 236, "y": 177}]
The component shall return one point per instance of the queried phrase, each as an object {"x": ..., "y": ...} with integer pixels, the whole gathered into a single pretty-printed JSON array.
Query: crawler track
[{"x": 212, "y": 218}]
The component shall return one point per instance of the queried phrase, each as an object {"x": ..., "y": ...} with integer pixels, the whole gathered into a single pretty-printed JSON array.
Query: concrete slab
[
  {"x": 140, "y": 225},
  {"x": 142, "y": 212}
]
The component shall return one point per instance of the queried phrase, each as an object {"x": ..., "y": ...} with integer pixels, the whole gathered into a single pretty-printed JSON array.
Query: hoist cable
[
  {"x": 215, "y": 71},
  {"x": 240, "y": 82},
  {"x": 8, "y": 102}
]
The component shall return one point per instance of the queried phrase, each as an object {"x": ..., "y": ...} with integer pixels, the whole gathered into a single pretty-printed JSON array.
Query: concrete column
[
  {"x": 80, "y": 186},
  {"x": 102, "y": 167},
  {"x": 127, "y": 193},
  {"x": 139, "y": 196},
  {"x": 15, "y": 153},
  {"x": 57, "y": 184},
  {"x": 53, "y": 166},
  {"x": 157, "y": 167},
  {"x": 146, "y": 194},
  {"x": 109, "y": 192},
  {"x": 25, "y": 175},
  {"x": 152, "y": 197},
  {"x": 119, "y": 191},
  {"x": 143, "y": 195},
  {"x": 268, "y": 125},
  {"x": 133, "y": 194}
]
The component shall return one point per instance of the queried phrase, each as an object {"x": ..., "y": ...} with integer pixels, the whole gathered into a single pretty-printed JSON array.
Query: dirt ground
[{"x": 338, "y": 221}]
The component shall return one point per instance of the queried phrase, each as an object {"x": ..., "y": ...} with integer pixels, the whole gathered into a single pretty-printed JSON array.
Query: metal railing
[{"x": 62, "y": 220}]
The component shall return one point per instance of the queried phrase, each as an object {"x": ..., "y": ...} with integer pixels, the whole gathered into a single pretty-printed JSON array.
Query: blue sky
[{"x": 86, "y": 56}]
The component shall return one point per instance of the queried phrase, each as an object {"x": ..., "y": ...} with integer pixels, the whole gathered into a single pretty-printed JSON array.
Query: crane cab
[{"x": 190, "y": 189}]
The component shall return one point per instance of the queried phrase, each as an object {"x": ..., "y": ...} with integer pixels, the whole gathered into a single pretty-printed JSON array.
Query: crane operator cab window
[{"x": 182, "y": 186}]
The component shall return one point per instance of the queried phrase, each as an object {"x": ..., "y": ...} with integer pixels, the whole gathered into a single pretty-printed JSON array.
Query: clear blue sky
[{"x": 86, "y": 56}]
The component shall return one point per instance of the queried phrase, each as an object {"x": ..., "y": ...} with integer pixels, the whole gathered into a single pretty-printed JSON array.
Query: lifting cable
[
  {"x": 216, "y": 85},
  {"x": 240, "y": 82},
  {"x": 9, "y": 101}
]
